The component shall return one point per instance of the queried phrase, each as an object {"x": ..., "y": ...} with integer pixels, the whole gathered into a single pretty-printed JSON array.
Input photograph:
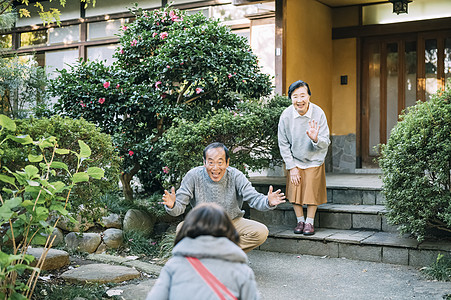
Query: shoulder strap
[{"x": 217, "y": 286}]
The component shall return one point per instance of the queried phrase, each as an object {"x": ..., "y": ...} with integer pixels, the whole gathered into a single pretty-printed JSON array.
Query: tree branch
[
  {"x": 183, "y": 91},
  {"x": 10, "y": 2},
  {"x": 194, "y": 98}
]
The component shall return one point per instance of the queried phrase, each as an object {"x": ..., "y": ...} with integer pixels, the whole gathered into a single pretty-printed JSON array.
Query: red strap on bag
[{"x": 211, "y": 279}]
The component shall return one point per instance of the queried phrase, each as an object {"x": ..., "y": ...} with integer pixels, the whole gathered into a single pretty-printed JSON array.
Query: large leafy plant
[
  {"x": 169, "y": 65},
  {"x": 416, "y": 163},
  {"x": 68, "y": 132},
  {"x": 31, "y": 196}
]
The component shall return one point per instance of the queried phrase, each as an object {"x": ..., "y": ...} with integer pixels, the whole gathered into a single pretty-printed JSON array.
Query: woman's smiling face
[{"x": 300, "y": 99}]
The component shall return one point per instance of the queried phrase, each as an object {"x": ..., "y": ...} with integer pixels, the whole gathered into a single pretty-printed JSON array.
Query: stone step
[
  {"x": 357, "y": 245},
  {"x": 331, "y": 215},
  {"x": 355, "y": 189}
]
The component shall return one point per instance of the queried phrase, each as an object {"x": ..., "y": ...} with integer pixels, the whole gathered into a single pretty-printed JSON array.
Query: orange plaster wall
[
  {"x": 344, "y": 96},
  {"x": 308, "y": 50}
]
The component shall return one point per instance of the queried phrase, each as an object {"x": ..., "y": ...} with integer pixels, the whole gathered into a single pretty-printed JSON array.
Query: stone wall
[{"x": 343, "y": 153}]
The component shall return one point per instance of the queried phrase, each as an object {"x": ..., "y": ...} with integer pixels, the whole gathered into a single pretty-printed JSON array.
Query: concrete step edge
[{"x": 362, "y": 237}]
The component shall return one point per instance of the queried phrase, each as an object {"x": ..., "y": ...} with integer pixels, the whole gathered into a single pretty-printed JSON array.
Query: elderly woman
[{"x": 303, "y": 141}]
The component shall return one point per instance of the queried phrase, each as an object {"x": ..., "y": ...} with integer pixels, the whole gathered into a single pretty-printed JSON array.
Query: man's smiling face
[{"x": 215, "y": 163}]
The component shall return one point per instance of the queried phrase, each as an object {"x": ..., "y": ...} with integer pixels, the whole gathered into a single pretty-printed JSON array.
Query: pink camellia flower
[
  {"x": 199, "y": 90},
  {"x": 134, "y": 43},
  {"x": 173, "y": 16},
  {"x": 124, "y": 28},
  {"x": 106, "y": 84},
  {"x": 157, "y": 84},
  {"x": 168, "y": 66},
  {"x": 101, "y": 100},
  {"x": 82, "y": 104},
  {"x": 163, "y": 35},
  {"x": 118, "y": 86},
  {"x": 230, "y": 75},
  {"x": 154, "y": 34},
  {"x": 158, "y": 23},
  {"x": 122, "y": 51},
  {"x": 166, "y": 170},
  {"x": 131, "y": 153}
]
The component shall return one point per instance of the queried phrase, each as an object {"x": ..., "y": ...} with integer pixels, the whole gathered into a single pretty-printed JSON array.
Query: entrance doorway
[{"x": 396, "y": 72}]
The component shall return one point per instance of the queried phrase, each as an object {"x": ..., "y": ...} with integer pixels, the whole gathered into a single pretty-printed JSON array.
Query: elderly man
[{"x": 216, "y": 182}]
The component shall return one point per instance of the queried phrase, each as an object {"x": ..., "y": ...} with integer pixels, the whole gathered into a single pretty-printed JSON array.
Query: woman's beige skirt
[{"x": 312, "y": 188}]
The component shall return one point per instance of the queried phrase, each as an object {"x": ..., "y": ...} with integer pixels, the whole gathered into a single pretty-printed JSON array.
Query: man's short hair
[
  {"x": 297, "y": 84},
  {"x": 214, "y": 146}
]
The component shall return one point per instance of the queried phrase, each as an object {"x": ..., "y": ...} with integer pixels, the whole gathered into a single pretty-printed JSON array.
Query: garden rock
[
  {"x": 112, "y": 221},
  {"x": 113, "y": 237},
  {"x": 80, "y": 225},
  {"x": 100, "y": 273},
  {"x": 136, "y": 220},
  {"x": 102, "y": 248},
  {"x": 55, "y": 259},
  {"x": 84, "y": 242}
]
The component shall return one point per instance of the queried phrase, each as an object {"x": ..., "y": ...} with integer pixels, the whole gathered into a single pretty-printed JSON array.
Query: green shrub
[
  {"x": 440, "y": 269},
  {"x": 249, "y": 131},
  {"x": 416, "y": 163},
  {"x": 30, "y": 196},
  {"x": 68, "y": 132}
]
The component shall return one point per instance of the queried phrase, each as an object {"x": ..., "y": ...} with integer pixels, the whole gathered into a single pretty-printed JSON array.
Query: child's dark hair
[{"x": 208, "y": 219}]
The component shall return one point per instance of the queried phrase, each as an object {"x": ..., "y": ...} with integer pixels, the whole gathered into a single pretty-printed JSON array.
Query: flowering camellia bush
[
  {"x": 416, "y": 163},
  {"x": 169, "y": 65}
]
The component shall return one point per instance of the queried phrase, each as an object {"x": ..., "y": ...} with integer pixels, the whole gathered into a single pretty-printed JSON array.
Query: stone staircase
[{"x": 351, "y": 225}]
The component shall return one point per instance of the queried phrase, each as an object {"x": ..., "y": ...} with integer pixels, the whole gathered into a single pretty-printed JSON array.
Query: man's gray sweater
[{"x": 229, "y": 192}]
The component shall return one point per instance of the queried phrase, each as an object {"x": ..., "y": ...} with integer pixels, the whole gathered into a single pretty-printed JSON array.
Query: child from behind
[{"x": 207, "y": 262}]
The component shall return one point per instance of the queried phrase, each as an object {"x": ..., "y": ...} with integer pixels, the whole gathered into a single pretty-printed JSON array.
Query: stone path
[{"x": 100, "y": 273}]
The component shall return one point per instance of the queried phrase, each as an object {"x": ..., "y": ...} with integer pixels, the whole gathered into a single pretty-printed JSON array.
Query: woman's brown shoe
[
  {"x": 308, "y": 229},
  {"x": 299, "y": 229}
]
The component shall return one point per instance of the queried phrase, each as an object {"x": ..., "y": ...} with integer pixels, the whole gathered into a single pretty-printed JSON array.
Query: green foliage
[
  {"x": 139, "y": 244},
  {"x": 68, "y": 132},
  {"x": 54, "y": 291},
  {"x": 170, "y": 65},
  {"x": 250, "y": 131},
  {"x": 22, "y": 86},
  {"x": 30, "y": 196},
  {"x": 440, "y": 269},
  {"x": 166, "y": 245},
  {"x": 416, "y": 163}
]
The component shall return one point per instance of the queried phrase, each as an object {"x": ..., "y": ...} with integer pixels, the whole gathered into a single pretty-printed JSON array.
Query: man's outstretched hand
[
  {"x": 275, "y": 198},
  {"x": 169, "y": 198}
]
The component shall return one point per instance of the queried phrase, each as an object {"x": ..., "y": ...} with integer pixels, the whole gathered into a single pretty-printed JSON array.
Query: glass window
[
  {"x": 411, "y": 73},
  {"x": 6, "y": 41},
  {"x": 102, "y": 53},
  {"x": 431, "y": 64},
  {"x": 105, "y": 29},
  {"x": 33, "y": 38},
  {"x": 374, "y": 97},
  {"x": 447, "y": 60},
  {"x": 392, "y": 86},
  {"x": 66, "y": 35},
  {"x": 59, "y": 60}
]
